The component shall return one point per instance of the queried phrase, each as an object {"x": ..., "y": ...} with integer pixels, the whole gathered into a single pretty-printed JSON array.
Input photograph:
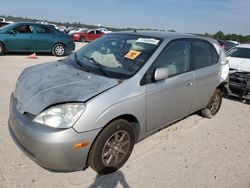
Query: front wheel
[
  {"x": 112, "y": 147},
  {"x": 59, "y": 50},
  {"x": 213, "y": 106}
]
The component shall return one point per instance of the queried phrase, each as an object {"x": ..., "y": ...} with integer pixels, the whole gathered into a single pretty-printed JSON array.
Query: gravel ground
[{"x": 194, "y": 152}]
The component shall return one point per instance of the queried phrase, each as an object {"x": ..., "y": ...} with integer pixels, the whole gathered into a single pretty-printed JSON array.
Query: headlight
[{"x": 61, "y": 116}]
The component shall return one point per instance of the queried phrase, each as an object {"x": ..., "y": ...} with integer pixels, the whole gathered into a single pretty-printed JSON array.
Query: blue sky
[{"x": 189, "y": 16}]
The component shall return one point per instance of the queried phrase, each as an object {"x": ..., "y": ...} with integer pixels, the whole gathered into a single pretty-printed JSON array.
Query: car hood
[
  {"x": 240, "y": 64},
  {"x": 43, "y": 85}
]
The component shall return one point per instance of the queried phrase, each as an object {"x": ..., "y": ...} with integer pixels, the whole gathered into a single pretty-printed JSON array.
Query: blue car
[{"x": 34, "y": 37}]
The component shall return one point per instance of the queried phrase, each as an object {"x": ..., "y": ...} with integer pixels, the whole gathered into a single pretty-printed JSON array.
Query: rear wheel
[
  {"x": 59, "y": 50},
  {"x": 2, "y": 49},
  {"x": 213, "y": 106},
  {"x": 112, "y": 147},
  {"x": 82, "y": 39}
]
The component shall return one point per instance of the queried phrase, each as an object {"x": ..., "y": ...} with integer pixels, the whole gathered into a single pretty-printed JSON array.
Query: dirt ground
[{"x": 195, "y": 152}]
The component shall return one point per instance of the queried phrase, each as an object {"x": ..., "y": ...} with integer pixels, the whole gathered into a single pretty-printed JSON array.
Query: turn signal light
[{"x": 81, "y": 145}]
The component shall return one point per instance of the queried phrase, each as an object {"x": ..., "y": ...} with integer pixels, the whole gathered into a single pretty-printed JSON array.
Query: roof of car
[
  {"x": 32, "y": 23},
  {"x": 243, "y": 46},
  {"x": 166, "y": 35},
  {"x": 235, "y": 42}
]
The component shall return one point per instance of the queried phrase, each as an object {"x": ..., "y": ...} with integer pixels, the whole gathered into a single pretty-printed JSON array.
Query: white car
[
  {"x": 239, "y": 77},
  {"x": 104, "y": 30},
  {"x": 228, "y": 44},
  {"x": 78, "y": 31}
]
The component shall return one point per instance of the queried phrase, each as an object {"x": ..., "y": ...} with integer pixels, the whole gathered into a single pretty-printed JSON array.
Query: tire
[
  {"x": 82, "y": 39},
  {"x": 213, "y": 106},
  {"x": 112, "y": 147},
  {"x": 2, "y": 49},
  {"x": 59, "y": 50}
]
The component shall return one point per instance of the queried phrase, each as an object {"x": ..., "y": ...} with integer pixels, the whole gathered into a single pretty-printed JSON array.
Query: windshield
[
  {"x": 239, "y": 52},
  {"x": 6, "y": 26},
  {"x": 118, "y": 55}
]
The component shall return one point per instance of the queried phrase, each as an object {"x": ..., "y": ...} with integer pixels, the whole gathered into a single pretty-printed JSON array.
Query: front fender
[{"x": 135, "y": 106}]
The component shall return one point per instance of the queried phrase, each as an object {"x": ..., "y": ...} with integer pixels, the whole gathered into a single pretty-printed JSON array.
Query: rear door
[
  {"x": 20, "y": 38},
  {"x": 90, "y": 35},
  {"x": 207, "y": 72},
  {"x": 43, "y": 38},
  {"x": 170, "y": 99}
]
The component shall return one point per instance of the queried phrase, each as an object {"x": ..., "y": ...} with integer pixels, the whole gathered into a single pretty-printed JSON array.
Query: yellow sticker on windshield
[{"x": 132, "y": 54}]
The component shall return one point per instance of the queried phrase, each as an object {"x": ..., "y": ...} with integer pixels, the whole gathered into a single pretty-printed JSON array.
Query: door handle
[{"x": 189, "y": 84}]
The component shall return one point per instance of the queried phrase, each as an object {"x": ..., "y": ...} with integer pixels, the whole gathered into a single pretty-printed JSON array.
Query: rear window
[{"x": 43, "y": 30}]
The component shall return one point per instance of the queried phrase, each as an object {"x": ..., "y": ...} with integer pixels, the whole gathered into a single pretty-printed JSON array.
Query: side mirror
[{"x": 161, "y": 74}]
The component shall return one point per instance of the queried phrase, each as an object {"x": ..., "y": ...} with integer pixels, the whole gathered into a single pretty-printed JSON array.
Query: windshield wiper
[
  {"x": 76, "y": 60},
  {"x": 98, "y": 65}
]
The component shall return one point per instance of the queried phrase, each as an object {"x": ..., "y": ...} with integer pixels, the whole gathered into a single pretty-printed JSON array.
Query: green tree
[{"x": 219, "y": 35}]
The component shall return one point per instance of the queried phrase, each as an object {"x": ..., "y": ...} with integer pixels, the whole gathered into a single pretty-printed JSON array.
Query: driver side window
[
  {"x": 175, "y": 57},
  {"x": 91, "y": 32},
  {"x": 23, "y": 29}
]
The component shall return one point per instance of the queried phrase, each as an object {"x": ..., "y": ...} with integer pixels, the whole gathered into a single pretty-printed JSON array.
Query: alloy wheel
[
  {"x": 116, "y": 148},
  {"x": 215, "y": 104},
  {"x": 59, "y": 50}
]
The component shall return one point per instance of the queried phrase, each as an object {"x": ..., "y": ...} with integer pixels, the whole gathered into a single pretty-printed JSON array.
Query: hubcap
[
  {"x": 59, "y": 50},
  {"x": 116, "y": 148},
  {"x": 215, "y": 104}
]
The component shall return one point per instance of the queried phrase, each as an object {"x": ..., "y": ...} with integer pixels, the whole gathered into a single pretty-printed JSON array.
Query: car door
[
  {"x": 98, "y": 34},
  {"x": 20, "y": 38},
  {"x": 90, "y": 35},
  {"x": 207, "y": 72},
  {"x": 170, "y": 99},
  {"x": 43, "y": 38}
]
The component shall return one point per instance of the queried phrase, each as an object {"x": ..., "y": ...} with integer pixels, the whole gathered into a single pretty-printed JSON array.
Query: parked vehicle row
[
  {"x": 92, "y": 107},
  {"x": 43, "y": 37}
]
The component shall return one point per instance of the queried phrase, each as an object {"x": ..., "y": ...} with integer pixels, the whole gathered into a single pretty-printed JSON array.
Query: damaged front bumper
[{"x": 239, "y": 84}]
